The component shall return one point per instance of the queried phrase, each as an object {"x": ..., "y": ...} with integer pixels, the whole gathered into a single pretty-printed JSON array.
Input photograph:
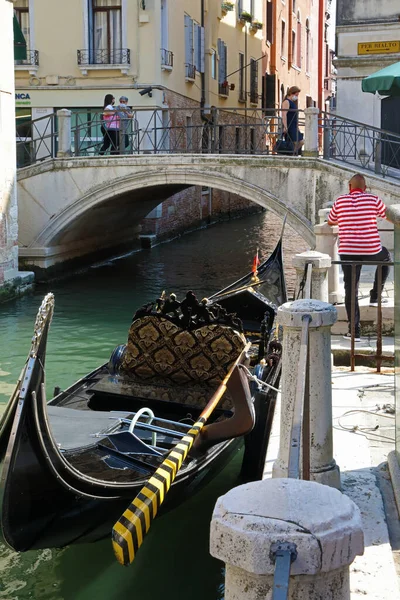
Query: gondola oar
[{"x": 129, "y": 531}]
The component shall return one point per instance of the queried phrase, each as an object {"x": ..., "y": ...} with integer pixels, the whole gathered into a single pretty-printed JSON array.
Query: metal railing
[
  {"x": 36, "y": 140},
  {"x": 32, "y": 59},
  {"x": 282, "y": 554},
  {"x": 378, "y": 356},
  {"x": 223, "y": 89},
  {"x": 167, "y": 58},
  {"x": 232, "y": 131},
  {"x": 104, "y": 56},
  {"x": 360, "y": 145},
  {"x": 190, "y": 71}
]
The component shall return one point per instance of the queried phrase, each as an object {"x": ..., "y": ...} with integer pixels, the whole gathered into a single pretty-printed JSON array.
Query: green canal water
[{"x": 93, "y": 310}]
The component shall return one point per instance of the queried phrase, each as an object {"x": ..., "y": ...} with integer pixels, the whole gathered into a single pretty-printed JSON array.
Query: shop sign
[
  {"x": 379, "y": 47},
  {"x": 22, "y": 99}
]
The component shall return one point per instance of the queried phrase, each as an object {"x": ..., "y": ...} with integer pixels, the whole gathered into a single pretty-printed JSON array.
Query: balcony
[
  {"x": 223, "y": 89},
  {"x": 104, "y": 58},
  {"x": 30, "y": 63},
  {"x": 190, "y": 72},
  {"x": 167, "y": 59}
]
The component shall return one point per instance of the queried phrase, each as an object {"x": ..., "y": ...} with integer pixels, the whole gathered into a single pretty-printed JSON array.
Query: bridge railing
[
  {"x": 36, "y": 139},
  {"x": 173, "y": 130},
  {"x": 360, "y": 145}
]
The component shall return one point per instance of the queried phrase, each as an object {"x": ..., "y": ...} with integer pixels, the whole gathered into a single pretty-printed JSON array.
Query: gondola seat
[{"x": 158, "y": 348}]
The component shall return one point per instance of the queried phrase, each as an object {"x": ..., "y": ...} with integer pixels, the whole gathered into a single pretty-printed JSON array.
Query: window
[
  {"x": 164, "y": 25},
  {"x": 292, "y": 57},
  {"x": 294, "y": 6},
  {"x": 283, "y": 39},
  {"x": 189, "y": 134},
  {"x": 223, "y": 62},
  {"x": 298, "y": 49},
  {"x": 253, "y": 81},
  {"x": 242, "y": 74},
  {"x": 308, "y": 34},
  {"x": 194, "y": 47},
  {"x": 269, "y": 22},
  {"x": 21, "y": 8},
  {"x": 105, "y": 32}
]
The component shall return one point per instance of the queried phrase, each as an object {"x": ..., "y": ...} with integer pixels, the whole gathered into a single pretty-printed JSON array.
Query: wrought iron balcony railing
[
  {"x": 223, "y": 89},
  {"x": 167, "y": 58},
  {"x": 32, "y": 59},
  {"x": 190, "y": 71},
  {"x": 104, "y": 56}
]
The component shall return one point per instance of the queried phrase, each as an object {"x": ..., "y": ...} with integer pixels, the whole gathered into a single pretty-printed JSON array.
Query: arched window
[
  {"x": 298, "y": 49},
  {"x": 308, "y": 34}
]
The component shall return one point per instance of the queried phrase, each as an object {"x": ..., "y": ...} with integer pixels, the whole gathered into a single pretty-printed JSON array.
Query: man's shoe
[
  {"x": 348, "y": 337},
  {"x": 375, "y": 302}
]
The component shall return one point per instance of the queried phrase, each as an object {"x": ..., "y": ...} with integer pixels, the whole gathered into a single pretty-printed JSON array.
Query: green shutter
[{"x": 19, "y": 42}]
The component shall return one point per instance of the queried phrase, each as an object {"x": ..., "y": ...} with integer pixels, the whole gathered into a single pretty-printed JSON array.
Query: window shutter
[
  {"x": 188, "y": 40},
  {"x": 202, "y": 50},
  {"x": 225, "y": 64},
  {"x": 220, "y": 61},
  {"x": 197, "y": 46}
]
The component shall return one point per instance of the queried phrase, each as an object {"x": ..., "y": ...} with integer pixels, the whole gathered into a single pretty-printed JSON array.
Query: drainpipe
[
  {"x": 203, "y": 75},
  {"x": 321, "y": 25}
]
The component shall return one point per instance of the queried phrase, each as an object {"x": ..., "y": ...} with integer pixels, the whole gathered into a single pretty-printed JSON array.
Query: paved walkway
[{"x": 363, "y": 436}]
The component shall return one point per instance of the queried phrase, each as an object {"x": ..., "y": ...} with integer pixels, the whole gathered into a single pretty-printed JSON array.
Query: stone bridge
[{"x": 70, "y": 207}]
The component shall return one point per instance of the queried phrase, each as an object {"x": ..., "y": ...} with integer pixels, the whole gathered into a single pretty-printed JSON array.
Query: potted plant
[
  {"x": 226, "y": 7},
  {"x": 245, "y": 17},
  {"x": 256, "y": 25}
]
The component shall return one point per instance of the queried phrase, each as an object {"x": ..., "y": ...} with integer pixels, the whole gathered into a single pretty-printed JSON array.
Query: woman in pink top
[{"x": 110, "y": 126}]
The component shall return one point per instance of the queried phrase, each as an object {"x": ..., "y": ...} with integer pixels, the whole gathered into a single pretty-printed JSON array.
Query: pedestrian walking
[
  {"x": 355, "y": 213},
  {"x": 110, "y": 126},
  {"x": 290, "y": 119},
  {"x": 125, "y": 118}
]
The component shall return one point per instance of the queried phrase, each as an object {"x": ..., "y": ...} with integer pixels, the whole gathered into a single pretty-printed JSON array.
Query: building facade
[
  {"x": 296, "y": 48},
  {"x": 368, "y": 39},
  {"x": 193, "y": 56}
]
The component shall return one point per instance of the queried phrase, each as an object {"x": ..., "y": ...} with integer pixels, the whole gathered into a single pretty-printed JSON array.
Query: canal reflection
[{"x": 93, "y": 311}]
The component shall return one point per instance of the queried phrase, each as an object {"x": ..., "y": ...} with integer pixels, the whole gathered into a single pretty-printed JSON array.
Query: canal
[{"x": 93, "y": 311}]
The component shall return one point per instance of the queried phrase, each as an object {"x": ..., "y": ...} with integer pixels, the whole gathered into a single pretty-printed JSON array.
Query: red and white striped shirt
[{"x": 356, "y": 213}]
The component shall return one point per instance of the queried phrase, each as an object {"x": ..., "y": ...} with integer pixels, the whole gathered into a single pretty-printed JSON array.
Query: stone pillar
[
  {"x": 319, "y": 276},
  {"x": 324, "y": 524},
  {"x": 323, "y": 468},
  {"x": 311, "y": 131},
  {"x": 64, "y": 133},
  {"x": 326, "y": 241}
]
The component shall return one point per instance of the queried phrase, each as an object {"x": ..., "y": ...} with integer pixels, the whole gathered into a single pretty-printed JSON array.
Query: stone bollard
[
  {"x": 323, "y": 468},
  {"x": 324, "y": 524},
  {"x": 319, "y": 276},
  {"x": 311, "y": 131},
  {"x": 326, "y": 241},
  {"x": 64, "y": 133}
]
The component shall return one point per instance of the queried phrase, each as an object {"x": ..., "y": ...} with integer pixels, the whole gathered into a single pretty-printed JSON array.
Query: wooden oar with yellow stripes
[{"x": 129, "y": 531}]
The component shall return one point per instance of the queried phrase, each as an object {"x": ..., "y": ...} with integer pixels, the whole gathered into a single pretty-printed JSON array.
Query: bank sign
[
  {"x": 22, "y": 99},
  {"x": 379, "y": 47}
]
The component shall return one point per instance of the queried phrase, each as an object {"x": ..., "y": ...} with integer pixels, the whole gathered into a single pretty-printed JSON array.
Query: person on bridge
[
  {"x": 355, "y": 213},
  {"x": 290, "y": 119},
  {"x": 125, "y": 116},
  {"x": 110, "y": 126}
]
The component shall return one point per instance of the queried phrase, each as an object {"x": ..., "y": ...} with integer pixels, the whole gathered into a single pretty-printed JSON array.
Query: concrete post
[
  {"x": 311, "y": 131},
  {"x": 326, "y": 238},
  {"x": 324, "y": 524},
  {"x": 319, "y": 276},
  {"x": 64, "y": 133},
  {"x": 323, "y": 468}
]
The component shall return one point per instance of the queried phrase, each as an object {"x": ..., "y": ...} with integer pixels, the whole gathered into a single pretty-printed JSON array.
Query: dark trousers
[
  {"x": 110, "y": 138},
  {"x": 383, "y": 255}
]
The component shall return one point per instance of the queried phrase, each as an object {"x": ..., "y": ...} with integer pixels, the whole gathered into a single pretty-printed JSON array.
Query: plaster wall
[{"x": 8, "y": 200}]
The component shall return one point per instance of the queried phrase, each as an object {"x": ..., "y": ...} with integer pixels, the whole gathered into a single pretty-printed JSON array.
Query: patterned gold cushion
[{"x": 158, "y": 348}]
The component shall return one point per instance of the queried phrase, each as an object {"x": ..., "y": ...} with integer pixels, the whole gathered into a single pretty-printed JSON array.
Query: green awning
[
  {"x": 19, "y": 42},
  {"x": 386, "y": 81}
]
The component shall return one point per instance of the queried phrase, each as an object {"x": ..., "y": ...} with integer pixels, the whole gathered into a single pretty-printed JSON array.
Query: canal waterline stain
[{"x": 93, "y": 311}]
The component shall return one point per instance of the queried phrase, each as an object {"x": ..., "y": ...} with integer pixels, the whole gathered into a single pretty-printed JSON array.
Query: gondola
[{"x": 72, "y": 465}]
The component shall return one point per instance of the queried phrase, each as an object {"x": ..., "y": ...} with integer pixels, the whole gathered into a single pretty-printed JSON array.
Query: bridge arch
[{"x": 173, "y": 178}]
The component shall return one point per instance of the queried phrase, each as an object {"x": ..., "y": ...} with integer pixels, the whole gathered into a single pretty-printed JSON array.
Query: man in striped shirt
[{"x": 355, "y": 213}]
